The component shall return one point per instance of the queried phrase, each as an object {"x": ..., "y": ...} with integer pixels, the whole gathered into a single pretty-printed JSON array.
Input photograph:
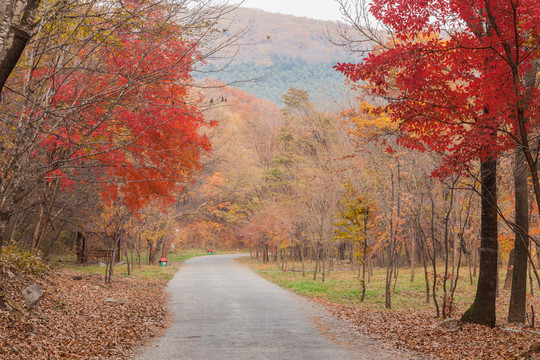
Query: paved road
[{"x": 225, "y": 311}]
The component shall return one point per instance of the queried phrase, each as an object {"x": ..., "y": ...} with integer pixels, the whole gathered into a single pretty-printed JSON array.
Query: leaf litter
[
  {"x": 419, "y": 331},
  {"x": 78, "y": 319}
]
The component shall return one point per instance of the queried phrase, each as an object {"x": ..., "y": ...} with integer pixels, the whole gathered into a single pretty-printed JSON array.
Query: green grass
[
  {"x": 343, "y": 287},
  {"x": 145, "y": 271}
]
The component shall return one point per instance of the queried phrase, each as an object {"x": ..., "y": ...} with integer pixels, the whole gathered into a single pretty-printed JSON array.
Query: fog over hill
[{"x": 283, "y": 51}]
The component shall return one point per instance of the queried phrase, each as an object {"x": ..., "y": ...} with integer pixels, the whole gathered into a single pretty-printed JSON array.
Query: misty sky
[{"x": 316, "y": 9}]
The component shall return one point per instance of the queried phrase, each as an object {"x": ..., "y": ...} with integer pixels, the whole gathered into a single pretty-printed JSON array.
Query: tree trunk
[
  {"x": 81, "y": 246},
  {"x": 475, "y": 261},
  {"x": 330, "y": 262},
  {"x": 50, "y": 191},
  {"x": 387, "y": 292},
  {"x": 482, "y": 310},
  {"x": 316, "y": 266},
  {"x": 434, "y": 259},
  {"x": 150, "y": 251},
  {"x": 352, "y": 249},
  {"x": 109, "y": 271},
  {"x": 509, "y": 270},
  {"x": 447, "y": 252},
  {"x": 341, "y": 250},
  {"x": 127, "y": 261},
  {"x": 324, "y": 257},
  {"x": 139, "y": 250},
  {"x": 16, "y": 32},
  {"x": 303, "y": 261},
  {"x": 157, "y": 252},
  {"x": 413, "y": 255},
  {"x": 364, "y": 261},
  {"x": 8, "y": 225},
  {"x": 370, "y": 269},
  {"x": 454, "y": 285},
  {"x": 517, "y": 308},
  {"x": 531, "y": 284},
  {"x": 426, "y": 277},
  {"x": 390, "y": 255}
]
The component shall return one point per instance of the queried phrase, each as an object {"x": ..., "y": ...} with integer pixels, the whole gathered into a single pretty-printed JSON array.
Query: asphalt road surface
[{"x": 222, "y": 310}]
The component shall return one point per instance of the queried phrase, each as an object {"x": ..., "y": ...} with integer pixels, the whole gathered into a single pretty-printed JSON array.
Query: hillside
[
  {"x": 285, "y": 36},
  {"x": 283, "y": 51}
]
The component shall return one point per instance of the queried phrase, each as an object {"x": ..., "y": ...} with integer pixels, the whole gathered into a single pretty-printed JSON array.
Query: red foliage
[
  {"x": 130, "y": 117},
  {"x": 454, "y": 77}
]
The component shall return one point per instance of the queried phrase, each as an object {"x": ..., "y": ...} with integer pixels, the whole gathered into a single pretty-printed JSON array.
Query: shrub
[{"x": 23, "y": 261}]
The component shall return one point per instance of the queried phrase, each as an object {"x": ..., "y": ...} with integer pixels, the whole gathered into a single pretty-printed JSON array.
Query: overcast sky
[{"x": 316, "y": 9}]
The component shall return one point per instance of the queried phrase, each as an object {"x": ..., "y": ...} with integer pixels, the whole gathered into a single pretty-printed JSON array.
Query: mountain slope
[{"x": 283, "y": 51}]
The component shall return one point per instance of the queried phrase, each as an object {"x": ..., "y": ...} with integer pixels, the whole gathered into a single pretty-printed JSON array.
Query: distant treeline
[{"x": 270, "y": 82}]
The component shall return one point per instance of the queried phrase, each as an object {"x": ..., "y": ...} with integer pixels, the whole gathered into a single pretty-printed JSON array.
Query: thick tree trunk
[
  {"x": 157, "y": 253},
  {"x": 81, "y": 246},
  {"x": 482, "y": 310},
  {"x": 341, "y": 250},
  {"x": 16, "y": 32},
  {"x": 517, "y": 308}
]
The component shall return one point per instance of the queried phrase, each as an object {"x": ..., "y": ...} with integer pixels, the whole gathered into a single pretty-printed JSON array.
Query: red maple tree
[
  {"x": 132, "y": 118},
  {"x": 456, "y": 77}
]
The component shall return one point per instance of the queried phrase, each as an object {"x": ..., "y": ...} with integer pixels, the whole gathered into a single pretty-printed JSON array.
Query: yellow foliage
[{"x": 366, "y": 123}]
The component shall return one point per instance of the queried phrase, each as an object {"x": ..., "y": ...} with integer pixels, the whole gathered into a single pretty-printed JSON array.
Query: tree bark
[
  {"x": 391, "y": 249},
  {"x": 447, "y": 252},
  {"x": 517, "y": 308},
  {"x": 324, "y": 257},
  {"x": 413, "y": 254},
  {"x": 157, "y": 252},
  {"x": 482, "y": 310},
  {"x": 509, "y": 271},
  {"x": 364, "y": 259},
  {"x": 16, "y": 32},
  {"x": 303, "y": 261},
  {"x": 434, "y": 258},
  {"x": 50, "y": 191},
  {"x": 426, "y": 277}
]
